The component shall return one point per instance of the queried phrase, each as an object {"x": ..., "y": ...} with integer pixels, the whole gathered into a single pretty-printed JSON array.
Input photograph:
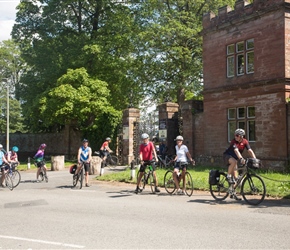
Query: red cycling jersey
[
  {"x": 239, "y": 145},
  {"x": 146, "y": 150}
]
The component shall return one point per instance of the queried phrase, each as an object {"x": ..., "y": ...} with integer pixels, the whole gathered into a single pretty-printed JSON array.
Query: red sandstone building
[{"x": 246, "y": 63}]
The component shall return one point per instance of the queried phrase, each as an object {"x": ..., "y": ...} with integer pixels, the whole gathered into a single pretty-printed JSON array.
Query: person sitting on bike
[
  {"x": 234, "y": 154},
  {"x": 12, "y": 156},
  {"x": 182, "y": 154},
  {"x": 84, "y": 157},
  {"x": 2, "y": 161},
  {"x": 146, "y": 151},
  {"x": 105, "y": 150},
  {"x": 39, "y": 160}
]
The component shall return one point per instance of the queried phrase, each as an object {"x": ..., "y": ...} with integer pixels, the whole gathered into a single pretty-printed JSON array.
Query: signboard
[
  {"x": 163, "y": 134},
  {"x": 162, "y": 124},
  {"x": 125, "y": 132}
]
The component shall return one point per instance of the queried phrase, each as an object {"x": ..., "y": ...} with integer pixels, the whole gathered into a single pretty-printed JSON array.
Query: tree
[
  {"x": 170, "y": 47},
  {"x": 11, "y": 68}
]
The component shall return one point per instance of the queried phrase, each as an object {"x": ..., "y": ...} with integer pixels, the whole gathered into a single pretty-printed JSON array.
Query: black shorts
[
  {"x": 226, "y": 159},
  {"x": 40, "y": 164},
  {"x": 180, "y": 165},
  {"x": 86, "y": 166},
  {"x": 145, "y": 164},
  {"x": 104, "y": 153}
]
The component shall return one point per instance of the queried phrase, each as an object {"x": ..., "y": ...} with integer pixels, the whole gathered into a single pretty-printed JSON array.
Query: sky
[{"x": 7, "y": 17}]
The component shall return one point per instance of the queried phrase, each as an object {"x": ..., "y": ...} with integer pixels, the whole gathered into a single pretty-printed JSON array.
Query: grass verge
[{"x": 277, "y": 184}]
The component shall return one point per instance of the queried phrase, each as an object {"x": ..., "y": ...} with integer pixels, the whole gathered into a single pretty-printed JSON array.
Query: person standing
[
  {"x": 39, "y": 159},
  {"x": 105, "y": 150},
  {"x": 84, "y": 158},
  {"x": 182, "y": 154},
  {"x": 146, "y": 152},
  {"x": 2, "y": 161}
]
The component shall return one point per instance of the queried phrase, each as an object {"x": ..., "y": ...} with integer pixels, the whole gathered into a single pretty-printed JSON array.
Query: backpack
[
  {"x": 214, "y": 177},
  {"x": 73, "y": 168}
]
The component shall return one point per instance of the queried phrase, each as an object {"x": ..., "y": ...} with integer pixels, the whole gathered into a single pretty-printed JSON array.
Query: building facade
[{"x": 246, "y": 68}]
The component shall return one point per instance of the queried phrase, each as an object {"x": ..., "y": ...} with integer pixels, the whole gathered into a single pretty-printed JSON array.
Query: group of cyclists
[{"x": 232, "y": 157}]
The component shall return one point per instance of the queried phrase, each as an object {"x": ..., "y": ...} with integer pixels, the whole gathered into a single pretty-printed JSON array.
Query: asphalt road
[{"x": 111, "y": 216}]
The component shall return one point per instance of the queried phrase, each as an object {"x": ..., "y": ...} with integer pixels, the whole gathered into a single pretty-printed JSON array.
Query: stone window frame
[
  {"x": 242, "y": 117},
  {"x": 240, "y": 58}
]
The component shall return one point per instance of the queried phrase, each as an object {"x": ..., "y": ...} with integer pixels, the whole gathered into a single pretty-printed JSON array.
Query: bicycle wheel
[
  {"x": 188, "y": 184},
  {"x": 169, "y": 182},
  {"x": 143, "y": 179},
  {"x": 220, "y": 191},
  {"x": 112, "y": 161},
  {"x": 8, "y": 181},
  {"x": 46, "y": 177},
  {"x": 253, "y": 189},
  {"x": 16, "y": 177},
  {"x": 152, "y": 182},
  {"x": 41, "y": 176}
]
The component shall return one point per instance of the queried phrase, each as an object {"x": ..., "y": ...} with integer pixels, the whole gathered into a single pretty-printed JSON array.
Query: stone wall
[{"x": 64, "y": 143}]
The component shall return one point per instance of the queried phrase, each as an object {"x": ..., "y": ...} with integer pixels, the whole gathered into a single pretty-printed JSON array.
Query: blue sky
[{"x": 7, "y": 17}]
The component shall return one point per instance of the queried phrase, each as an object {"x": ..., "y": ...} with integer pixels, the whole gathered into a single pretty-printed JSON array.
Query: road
[{"x": 111, "y": 216}]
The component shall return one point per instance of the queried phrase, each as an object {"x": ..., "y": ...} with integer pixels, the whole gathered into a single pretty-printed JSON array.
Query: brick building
[{"x": 246, "y": 68}]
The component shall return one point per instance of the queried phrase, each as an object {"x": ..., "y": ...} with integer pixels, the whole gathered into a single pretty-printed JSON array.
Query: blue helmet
[{"x": 15, "y": 149}]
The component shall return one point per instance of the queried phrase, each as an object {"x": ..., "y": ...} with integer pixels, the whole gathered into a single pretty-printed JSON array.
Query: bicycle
[
  {"x": 14, "y": 174},
  {"x": 78, "y": 178},
  {"x": 165, "y": 163},
  {"x": 111, "y": 160},
  {"x": 7, "y": 178},
  {"x": 169, "y": 183},
  {"x": 42, "y": 174},
  {"x": 252, "y": 187},
  {"x": 148, "y": 177}
]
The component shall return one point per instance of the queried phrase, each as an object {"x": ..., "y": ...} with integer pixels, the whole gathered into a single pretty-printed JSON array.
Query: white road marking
[{"x": 41, "y": 241}]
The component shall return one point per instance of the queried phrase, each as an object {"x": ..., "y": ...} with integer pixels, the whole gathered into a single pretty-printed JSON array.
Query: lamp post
[{"x": 7, "y": 130}]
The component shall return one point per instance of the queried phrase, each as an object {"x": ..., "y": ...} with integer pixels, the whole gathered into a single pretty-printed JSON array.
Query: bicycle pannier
[
  {"x": 254, "y": 163},
  {"x": 73, "y": 168},
  {"x": 214, "y": 177}
]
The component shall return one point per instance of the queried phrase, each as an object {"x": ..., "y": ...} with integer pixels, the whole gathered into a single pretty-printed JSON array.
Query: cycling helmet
[
  {"x": 108, "y": 139},
  {"x": 1, "y": 146},
  {"x": 85, "y": 140},
  {"x": 144, "y": 136},
  {"x": 179, "y": 138},
  {"x": 42, "y": 146},
  {"x": 240, "y": 132},
  {"x": 15, "y": 149}
]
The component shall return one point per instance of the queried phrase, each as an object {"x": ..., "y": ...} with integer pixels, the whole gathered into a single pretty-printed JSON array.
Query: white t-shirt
[{"x": 181, "y": 153}]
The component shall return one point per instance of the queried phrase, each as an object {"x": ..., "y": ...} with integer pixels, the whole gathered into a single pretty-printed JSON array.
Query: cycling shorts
[
  {"x": 180, "y": 165},
  {"x": 145, "y": 164},
  {"x": 104, "y": 152},
  {"x": 40, "y": 164},
  {"x": 86, "y": 166}
]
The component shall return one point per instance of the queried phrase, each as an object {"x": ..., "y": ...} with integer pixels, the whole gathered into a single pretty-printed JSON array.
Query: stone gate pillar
[
  {"x": 131, "y": 117},
  {"x": 168, "y": 124}
]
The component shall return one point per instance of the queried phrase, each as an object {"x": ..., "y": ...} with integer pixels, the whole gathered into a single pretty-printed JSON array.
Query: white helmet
[
  {"x": 144, "y": 136},
  {"x": 240, "y": 131},
  {"x": 1, "y": 146},
  {"x": 108, "y": 139},
  {"x": 178, "y": 138}
]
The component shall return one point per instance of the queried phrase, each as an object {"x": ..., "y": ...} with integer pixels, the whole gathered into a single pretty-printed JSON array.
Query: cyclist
[
  {"x": 180, "y": 159},
  {"x": 2, "y": 161},
  {"x": 233, "y": 154},
  {"x": 39, "y": 159},
  {"x": 84, "y": 157},
  {"x": 145, "y": 153},
  {"x": 105, "y": 150},
  {"x": 12, "y": 156}
]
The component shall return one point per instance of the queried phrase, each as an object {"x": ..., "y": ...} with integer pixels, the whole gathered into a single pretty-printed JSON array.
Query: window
[
  {"x": 240, "y": 58},
  {"x": 242, "y": 117}
]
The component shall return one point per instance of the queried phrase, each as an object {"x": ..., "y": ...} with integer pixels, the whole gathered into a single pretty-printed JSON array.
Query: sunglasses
[{"x": 237, "y": 135}]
